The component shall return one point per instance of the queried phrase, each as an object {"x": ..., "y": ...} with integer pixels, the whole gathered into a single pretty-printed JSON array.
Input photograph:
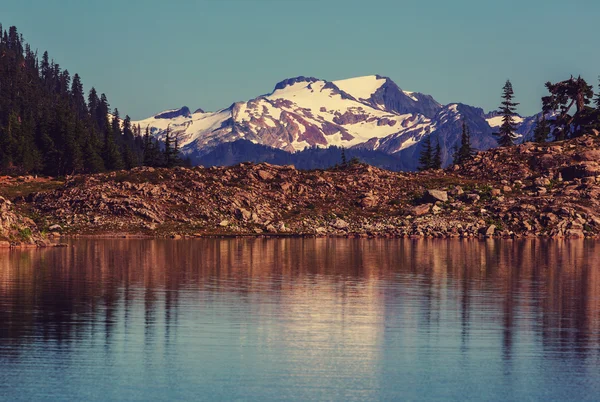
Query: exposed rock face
[
  {"x": 184, "y": 111},
  {"x": 16, "y": 230},
  {"x": 291, "y": 81},
  {"x": 394, "y": 99}
]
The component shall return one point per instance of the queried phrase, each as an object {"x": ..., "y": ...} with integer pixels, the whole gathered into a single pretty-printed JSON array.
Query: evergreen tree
[
  {"x": 113, "y": 159},
  {"x": 176, "y": 158},
  {"x": 597, "y": 100},
  {"x": 167, "y": 153},
  {"x": 464, "y": 152},
  {"x": 541, "y": 131},
  {"x": 436, "y": 162},
  {"x": 78, "y": 99},
  {"x": 344, "y": 160},
  {"x": 563, "y": 96},
  {"x": 45, "y": 124},
  {"x": 426, "y": 157},
  {"x": 171, "y": 153},
  {"x": 152, "y": 156},
  {"x": 506, "y": 136}
]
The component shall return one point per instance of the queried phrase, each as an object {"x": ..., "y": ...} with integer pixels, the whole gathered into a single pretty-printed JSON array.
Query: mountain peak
[
  {"x": 291, "y": 81},
  {"x": 173, "y": 113},
  {"x": 361, "y": 87}
]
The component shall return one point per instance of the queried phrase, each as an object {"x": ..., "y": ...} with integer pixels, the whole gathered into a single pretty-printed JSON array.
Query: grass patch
[
  {"x": 25, "y": 234},
  {"x": 15, "y": 190}
]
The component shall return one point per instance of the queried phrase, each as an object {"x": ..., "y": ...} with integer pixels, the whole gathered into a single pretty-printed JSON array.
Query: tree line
[
  {"x": 557, "y": 121},
  {"x": 49, "y": 126}
]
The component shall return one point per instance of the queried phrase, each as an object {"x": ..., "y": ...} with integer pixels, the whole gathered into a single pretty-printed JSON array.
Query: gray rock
[
  {"x": 340, "y": 224},
  {"x": 436, "y": 195}
]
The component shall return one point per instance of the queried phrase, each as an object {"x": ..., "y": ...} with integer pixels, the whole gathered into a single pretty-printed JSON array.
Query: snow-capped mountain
[{"x": 369, "y": 112}]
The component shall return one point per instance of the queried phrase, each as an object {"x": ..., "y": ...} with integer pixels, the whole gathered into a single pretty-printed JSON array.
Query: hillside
[{"x": 549, "y": 190}]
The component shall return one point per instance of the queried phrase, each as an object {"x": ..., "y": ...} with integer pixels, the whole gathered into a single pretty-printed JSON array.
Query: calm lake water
[{"x": 317, "y": 319}]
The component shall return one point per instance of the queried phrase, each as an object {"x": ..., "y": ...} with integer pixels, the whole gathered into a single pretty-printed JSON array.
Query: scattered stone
[
  {"x": 421, "y": 210},
  {"x": 436, "y": 195},
  {"x": 340, "y": 224}
]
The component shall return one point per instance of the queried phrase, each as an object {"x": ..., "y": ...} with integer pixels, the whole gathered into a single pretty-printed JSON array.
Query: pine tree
[
  {"x": 176, "y": 159},
  {"x": 78, "y": 99},
  {"x": 563, "y": 96},
  {"x": 113, "y": 159},
  {"x": 344, "y": 160},
  {"x": 506, "y": 136},
  {"x": 541, "y": 131},
  {"x": 597, "y": 99},
  {"x": 465, "y": 152},
  {"x": 436, "y": 162},
  {"x": 426, "y": 158},
  {"x": 167, "y": 152},
  {"x": 152, "y": 155}
]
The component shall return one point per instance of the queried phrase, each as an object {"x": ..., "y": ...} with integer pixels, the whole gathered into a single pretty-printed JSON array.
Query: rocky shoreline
[{"x": 531, "y": 190}]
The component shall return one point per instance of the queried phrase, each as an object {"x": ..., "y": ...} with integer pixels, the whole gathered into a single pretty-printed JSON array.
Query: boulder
[
  {"x": 368, "y": 200},
  {"x": 436, "y": 195},
  {"x": 243, "y": 214},
  {"x": 264, "y": 175},
  {"x": 488, "y": 231},
  {"x": 421, "y": 210},
  {"x": 340, "y": 224}
]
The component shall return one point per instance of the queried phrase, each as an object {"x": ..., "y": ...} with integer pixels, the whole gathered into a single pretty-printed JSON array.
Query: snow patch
[
  {"x": 361, "y": 87},
  {"x": 497, "y": 120}
]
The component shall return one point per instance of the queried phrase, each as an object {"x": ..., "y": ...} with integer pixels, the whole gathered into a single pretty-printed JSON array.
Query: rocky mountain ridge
[{"x": 371, "y": 113}]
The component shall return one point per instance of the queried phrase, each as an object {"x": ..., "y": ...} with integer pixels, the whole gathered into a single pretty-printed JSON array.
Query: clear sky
[{"x": 152, "y": 55}]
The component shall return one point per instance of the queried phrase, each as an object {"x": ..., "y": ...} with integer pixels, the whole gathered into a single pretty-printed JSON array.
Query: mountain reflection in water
[{"x": 301, "y": 319}]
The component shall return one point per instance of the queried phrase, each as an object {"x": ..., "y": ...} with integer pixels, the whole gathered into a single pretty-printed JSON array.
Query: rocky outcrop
[
  {"x": 504, "y": 192},
  {"x": 171, "y": 114},
  {"x": 17, "y": 230},
  {"x": 291, "y": 81}
]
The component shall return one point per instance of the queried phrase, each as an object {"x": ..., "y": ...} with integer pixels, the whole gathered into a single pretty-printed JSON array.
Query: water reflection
[{"x": 346, "y": 319}]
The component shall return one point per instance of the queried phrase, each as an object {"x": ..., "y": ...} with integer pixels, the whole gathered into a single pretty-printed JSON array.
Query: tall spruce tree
[
  {"x": 436, "y": 162},
  {"x": 167, "y": 151},
  {"x": 464, "y": 152},
  {"x": 506, "y": 135},
  {"x": 152, "y": 156},
  {"x": 171, "y": 152},
  {"x": 426, "y": 157},
  {"x": 597, "y": 99},
  {"x": 541, "y": 131}
]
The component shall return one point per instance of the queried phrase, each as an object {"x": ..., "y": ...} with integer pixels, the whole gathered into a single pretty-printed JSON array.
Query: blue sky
[{"x": 150, "y": 55}]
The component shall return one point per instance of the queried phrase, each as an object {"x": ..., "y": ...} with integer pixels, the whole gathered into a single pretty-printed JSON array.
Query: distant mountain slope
[
  {"x": 232, "y": 153},
  {"x": 366, "y": 113}
]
